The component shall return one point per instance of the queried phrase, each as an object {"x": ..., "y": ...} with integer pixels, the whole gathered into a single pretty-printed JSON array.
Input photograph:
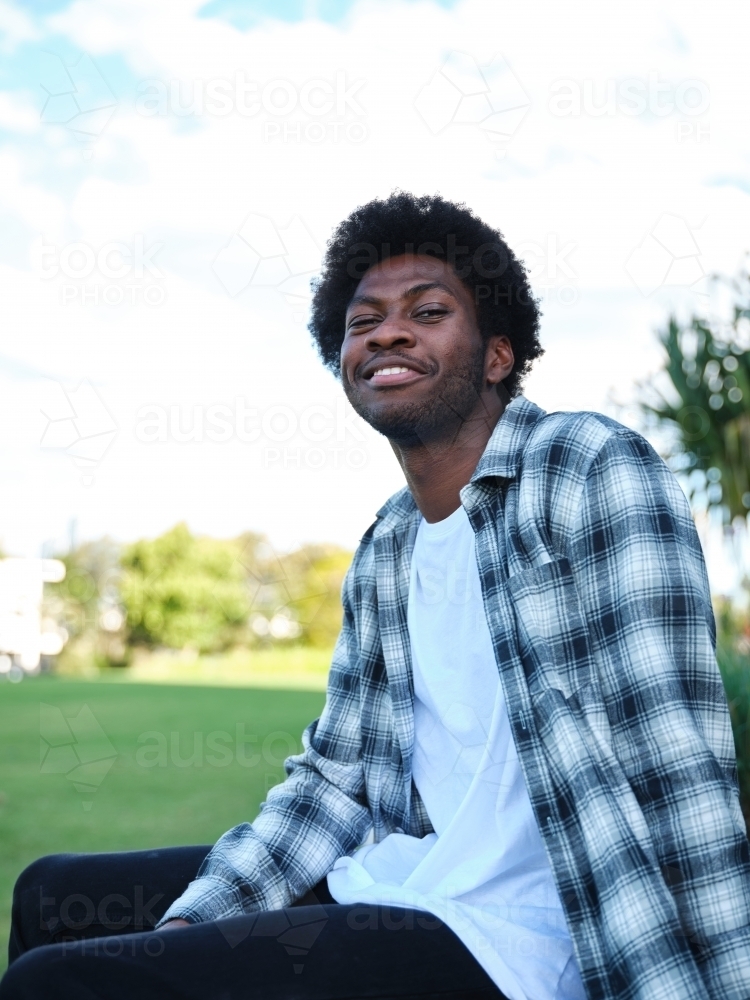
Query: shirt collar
[
  {"x": 500, "y": 459},
  {"x": 502, "y": 456}
]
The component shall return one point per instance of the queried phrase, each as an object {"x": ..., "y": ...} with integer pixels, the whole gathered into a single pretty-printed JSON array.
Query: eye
[
  {"x": 361, "y": 321},
  {"x": 433, "y": 310}
]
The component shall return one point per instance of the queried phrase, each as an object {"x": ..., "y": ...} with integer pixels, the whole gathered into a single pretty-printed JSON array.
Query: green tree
[
  {"x": 317, "y": 572},
  {"x": 296, "y": 596},
  {"x": 86, "y": 604},
  {"x": 701, "y": 401},
  {"x": 181, "y": 590},
  {"x": 733, "y": 647}
]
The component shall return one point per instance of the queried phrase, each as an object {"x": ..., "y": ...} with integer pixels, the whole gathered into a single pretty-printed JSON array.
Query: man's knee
[
  {"x": 34, "y": 975},
  {"x": 45, "y": 904},
  {"x": 43, "y": 872}
]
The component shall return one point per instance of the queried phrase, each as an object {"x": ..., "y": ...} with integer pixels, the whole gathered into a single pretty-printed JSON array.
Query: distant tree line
[{"x": 186, "y": 591}]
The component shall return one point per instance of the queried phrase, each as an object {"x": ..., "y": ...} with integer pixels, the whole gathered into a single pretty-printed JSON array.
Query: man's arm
[{"x": 318, "y": 814}]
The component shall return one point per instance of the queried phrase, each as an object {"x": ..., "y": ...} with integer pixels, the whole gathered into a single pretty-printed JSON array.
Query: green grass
[
  {"x": 301, "y": 668},
  {"x": 137, "y": 806}
]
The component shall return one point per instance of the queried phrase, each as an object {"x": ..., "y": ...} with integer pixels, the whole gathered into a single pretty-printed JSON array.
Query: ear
[{"x": 499, "y": 360}]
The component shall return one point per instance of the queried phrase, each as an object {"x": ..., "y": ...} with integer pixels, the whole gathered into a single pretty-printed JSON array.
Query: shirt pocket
[{"x": 553, "y": 637}]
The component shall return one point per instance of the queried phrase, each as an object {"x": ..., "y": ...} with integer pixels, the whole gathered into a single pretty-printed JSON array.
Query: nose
[{"x": 392, "y": 332}]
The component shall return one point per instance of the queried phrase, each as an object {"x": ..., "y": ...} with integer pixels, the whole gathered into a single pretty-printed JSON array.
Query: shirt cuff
[{"x": 207, "y": 898}]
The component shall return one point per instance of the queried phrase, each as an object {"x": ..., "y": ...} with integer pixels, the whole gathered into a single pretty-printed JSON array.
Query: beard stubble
[{"x": 435, "y": 420}]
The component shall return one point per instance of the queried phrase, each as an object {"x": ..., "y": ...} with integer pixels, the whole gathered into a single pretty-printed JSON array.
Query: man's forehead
[{"x": 401, "y": 277}]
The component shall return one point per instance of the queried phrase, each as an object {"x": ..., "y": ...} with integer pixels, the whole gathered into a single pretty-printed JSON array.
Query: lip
[{"x": 413, "y": 373}]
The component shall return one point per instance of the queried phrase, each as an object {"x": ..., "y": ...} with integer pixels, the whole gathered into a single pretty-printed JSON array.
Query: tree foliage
[
  {"x": 733, "y": 654},
  {"x": 86, "y": 603},
  {"x": 702, "y": 401},
  {"x": 182, "y": 590}
]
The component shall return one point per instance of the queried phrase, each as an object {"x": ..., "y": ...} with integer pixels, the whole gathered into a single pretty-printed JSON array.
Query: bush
[
  {"x": 733, "y": 654},
  {"x": 735, "y": 671},
  {"x": 699, "y": 404}
]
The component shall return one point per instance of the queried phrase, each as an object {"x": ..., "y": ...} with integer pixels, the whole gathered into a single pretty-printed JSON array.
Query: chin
[{"x": 410, "y": 424}]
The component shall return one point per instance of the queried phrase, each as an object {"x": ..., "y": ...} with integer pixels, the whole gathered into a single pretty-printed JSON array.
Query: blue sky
[{"x": 246, "y": 15}]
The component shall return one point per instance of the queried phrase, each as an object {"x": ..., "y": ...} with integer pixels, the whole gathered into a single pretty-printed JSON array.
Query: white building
[{"x": 24, "y": 636}]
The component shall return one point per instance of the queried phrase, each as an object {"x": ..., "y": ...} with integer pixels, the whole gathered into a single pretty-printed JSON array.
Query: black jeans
[{"x": 82, "y": 930}]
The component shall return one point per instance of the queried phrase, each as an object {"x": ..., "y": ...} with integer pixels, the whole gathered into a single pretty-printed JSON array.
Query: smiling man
[{"x": 523, "y": 782}]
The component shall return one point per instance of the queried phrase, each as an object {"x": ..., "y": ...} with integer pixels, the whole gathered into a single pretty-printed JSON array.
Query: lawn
[{"x": 187, "y": 763}]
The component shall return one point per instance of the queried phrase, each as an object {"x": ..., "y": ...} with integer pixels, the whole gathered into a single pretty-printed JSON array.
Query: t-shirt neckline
[{"x": 449, "y": 524}]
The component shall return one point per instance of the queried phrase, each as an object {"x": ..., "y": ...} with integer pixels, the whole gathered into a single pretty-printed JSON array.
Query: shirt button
[{"x": 399, "y": 829}]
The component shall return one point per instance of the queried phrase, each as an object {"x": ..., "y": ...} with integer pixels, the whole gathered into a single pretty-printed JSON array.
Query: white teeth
[{"x": 390, "y": 371}]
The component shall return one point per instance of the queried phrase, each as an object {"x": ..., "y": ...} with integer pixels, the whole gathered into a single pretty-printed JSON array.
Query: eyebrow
[{"x": 410, "y": 293}]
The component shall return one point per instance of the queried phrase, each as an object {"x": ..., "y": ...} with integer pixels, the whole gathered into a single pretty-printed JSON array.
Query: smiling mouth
[{"x": 392, "y": 375}]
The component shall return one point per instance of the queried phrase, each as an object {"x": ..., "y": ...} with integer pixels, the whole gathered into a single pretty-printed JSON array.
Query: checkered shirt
[{"x": 597, "y": 601}]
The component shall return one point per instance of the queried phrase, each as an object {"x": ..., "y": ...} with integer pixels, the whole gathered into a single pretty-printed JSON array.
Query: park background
[{"x": 170, "y": 174}]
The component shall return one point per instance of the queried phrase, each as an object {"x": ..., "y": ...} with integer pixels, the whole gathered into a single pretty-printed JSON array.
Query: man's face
[{"x": 413, "y": 363}]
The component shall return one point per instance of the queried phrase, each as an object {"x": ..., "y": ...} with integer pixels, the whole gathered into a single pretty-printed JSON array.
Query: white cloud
[
  {"x": 15, "y": 27},
  {"x": 17, "y": 115}
]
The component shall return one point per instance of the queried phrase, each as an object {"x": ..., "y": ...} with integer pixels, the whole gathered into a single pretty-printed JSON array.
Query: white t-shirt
[{"x": 484, "y": 872}]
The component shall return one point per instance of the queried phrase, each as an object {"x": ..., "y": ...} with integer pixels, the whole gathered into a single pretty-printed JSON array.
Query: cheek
[
  {"x": 348, "y": 358},
  {"x": 457, "y": 346}
]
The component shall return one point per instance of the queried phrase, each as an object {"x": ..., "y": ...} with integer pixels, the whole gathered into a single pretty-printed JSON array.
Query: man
[{"x": 524, "y": 710}]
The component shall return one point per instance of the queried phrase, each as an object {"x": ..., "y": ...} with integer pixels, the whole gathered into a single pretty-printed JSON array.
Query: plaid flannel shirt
[{"x": 597, "y": 602}]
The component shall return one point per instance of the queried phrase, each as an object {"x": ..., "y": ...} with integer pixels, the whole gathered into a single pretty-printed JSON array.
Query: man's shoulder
[
  {"x": 398, "y": 516},
  {"x": 569, "y": 456},
  {"x": 566, "y": 443},
  {"x": 581, "y": 430},
  {"x": 396, "y": 513},
  {"x": 362, "y": 567}
]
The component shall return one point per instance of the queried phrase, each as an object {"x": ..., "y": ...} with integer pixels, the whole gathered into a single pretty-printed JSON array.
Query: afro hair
[{"x": 404, "y": 223}]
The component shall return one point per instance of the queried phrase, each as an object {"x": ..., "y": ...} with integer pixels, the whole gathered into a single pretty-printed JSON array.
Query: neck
[{"x": 437, "y": 471}]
